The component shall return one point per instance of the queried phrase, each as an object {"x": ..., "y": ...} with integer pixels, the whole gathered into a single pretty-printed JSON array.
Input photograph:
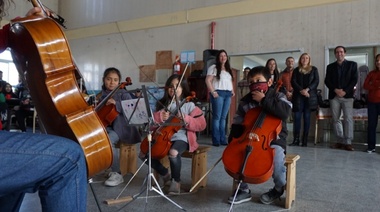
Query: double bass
[{"x": 40, "y": 51}]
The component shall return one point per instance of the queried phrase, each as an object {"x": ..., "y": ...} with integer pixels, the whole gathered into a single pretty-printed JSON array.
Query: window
[{"x": 10, "y": 73}]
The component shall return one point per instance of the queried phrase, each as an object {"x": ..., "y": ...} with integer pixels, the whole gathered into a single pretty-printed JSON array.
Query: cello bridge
[{"x": 253, "y": 136}]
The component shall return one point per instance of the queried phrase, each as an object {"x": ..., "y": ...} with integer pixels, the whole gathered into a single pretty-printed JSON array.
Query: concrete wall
[
  {"x": 126, "y": 34},
  {"x": 313, "y": 28}
]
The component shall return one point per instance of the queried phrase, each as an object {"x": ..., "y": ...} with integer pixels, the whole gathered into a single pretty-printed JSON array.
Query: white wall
[
  {"x": 266, "y": 26},
  {"x": 21, "y": 7},
  {"x": 311, "y": 29}
]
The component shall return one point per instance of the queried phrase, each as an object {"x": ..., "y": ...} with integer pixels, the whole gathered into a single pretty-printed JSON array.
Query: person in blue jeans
[
  {"x": 219, "y": 82},
  {"x": 52, "y": 165}
]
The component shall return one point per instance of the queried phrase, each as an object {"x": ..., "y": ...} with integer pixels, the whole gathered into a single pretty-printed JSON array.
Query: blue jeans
[
  {"x": 51, "y": 165},
  {"x": 220, "y": 107},
  {"x": 373, "y": 114},
  {"x": 279, "y": 169},
  {"x": 344, "y": 132},
  {"x": 305, "y": 111}
]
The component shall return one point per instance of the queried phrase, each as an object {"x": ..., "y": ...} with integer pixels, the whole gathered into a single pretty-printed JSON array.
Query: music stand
[{"x": 150, "y": 176}]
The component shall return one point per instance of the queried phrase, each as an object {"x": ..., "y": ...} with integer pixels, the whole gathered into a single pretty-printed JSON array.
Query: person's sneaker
[
  {"x": 348, "y": 147},
  {"x": 270, "y": 196},
  {"x": 242, "y": 196},
  {"x": 371, "y": 150},
  {"x": 114, "y": 179},
  {"x": 164, "y": 180},
  {"x": 175, "y": 188}
]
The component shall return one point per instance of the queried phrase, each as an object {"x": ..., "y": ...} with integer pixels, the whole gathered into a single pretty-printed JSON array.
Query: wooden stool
[
  {"x": 128, "y": 158},
  {"x": 198, "y": 165},
  {"x": 290, "y": 163}
]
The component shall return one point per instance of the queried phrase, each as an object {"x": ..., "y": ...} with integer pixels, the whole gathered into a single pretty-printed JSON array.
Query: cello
[
  {"x": 253, "y": 148},
  {"x": 41, "y": 51},
  {"x": 161, "y": 141}
]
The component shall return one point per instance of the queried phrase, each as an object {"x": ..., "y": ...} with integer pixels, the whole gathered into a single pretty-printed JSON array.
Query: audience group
[
  {"x": 17, "y": 102},
  {"x": 300, "y": 82}
]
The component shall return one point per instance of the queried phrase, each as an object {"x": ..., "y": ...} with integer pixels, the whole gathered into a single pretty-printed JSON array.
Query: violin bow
[{"x": 179, "y": 83}]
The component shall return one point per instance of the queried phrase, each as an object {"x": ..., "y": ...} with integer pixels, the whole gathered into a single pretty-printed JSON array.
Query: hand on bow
[{"x": 36, "y": 11}]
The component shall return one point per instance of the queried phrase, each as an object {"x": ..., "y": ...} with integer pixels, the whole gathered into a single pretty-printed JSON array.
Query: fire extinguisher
[{"x": 177, "y": 66}]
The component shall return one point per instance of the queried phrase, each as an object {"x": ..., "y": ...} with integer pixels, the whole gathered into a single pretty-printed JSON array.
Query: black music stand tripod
[{"x": 150, "y": 176}]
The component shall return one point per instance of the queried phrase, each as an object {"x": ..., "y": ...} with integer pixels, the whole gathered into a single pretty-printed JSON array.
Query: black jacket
[
  {"x": 302, "y": 81},
  {"x": 274, "y": 103},
  {"x": 347, "y": 82}
]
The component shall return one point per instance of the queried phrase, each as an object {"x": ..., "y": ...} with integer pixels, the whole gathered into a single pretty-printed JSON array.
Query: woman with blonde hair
[{"x": 305, "y": 80}]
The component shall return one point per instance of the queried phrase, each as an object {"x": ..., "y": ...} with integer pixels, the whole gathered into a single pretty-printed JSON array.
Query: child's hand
[
  {"x": 165, "y": 115},
  {"x": 257, "y": 95},
  {"x": 111, "y": 101},
  {"x": 35, "y": 11}
]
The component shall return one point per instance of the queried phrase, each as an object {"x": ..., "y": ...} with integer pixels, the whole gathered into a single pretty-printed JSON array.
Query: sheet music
[{"x": 140, "y": 114}]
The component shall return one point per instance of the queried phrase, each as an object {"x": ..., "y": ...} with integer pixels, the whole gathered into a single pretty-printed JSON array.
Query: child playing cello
[
  {"x": 185, "y": 138},
  {"x": 273, "y": 103}
]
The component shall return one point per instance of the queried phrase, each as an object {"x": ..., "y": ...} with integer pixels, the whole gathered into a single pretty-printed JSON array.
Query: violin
[
  {"x": 108, "y": 113},
  {"x": 161, "y": 142},
  {"x": 249, "y": 157},
  {"x": 40, "y": 50}
]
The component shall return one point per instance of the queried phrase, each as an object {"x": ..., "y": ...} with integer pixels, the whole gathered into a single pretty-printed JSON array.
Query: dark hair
[
  {"x": 166, "y": 99},
  {"x": 4, "y": 6},
  {"x": 108, "y": 71},
  {"x": 378, "y": 55},
  {"x": 259, "y": 70},
  {"x": 276, "y": 72},
  {"x": 290, "y": 57},
  {"x": 344, "y": 49},
  {"x": 218, "y": 65}
]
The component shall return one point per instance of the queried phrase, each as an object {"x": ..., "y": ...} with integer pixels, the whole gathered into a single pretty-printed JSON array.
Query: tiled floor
[{"x": 327, "y": 180}]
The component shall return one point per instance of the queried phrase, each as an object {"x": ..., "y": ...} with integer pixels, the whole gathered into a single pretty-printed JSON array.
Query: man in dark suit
[{"x": 341, "y": 78}]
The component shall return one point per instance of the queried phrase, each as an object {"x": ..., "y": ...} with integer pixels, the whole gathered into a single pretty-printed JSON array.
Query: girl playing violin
[
  {"x": 118, "y": 131},
  {"x": 274, "y": 103},
  {"x": 185, "y": 138}
]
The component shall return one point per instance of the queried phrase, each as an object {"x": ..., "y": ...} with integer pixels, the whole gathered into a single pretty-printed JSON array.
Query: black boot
[
  {"x": 296, "y": 141},
  {"x": 304, "y": 139}
]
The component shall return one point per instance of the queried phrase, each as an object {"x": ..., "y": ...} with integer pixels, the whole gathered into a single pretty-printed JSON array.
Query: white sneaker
[
  {"x": 114, "y": 179},
  {"x": 164, "y": 180},
  {"x": 175, "y": 188}
]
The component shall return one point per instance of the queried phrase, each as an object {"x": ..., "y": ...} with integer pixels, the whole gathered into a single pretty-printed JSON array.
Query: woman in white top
[{"x": 219, "y": 82}]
